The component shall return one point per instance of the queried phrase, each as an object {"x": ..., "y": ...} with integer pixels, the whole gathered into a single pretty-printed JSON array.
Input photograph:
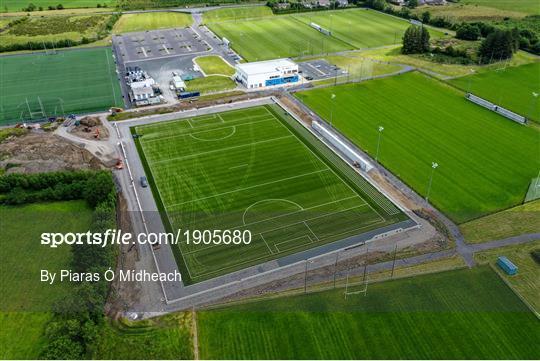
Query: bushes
[{"x": 468, "y": 32}]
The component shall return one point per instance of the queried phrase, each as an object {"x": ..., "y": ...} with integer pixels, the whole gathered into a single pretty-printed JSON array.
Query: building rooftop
[{"x": 260, "y": 67}]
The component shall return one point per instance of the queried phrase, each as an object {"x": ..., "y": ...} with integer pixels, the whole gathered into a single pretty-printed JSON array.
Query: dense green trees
[
  {"x": 468, "y": 32},
  {"x": 415, "y": 40},
  {"x": 499, "y": 45}
]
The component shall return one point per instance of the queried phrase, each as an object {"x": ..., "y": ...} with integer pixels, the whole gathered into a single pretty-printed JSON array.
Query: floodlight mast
[
  {"x": 381, "y": 128},
  {"x": 332, "y": 97},
  {"x": 434, "y": 166}
]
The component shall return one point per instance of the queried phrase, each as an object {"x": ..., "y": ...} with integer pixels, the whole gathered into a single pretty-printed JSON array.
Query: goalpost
[{"x": 350, "y": 286}]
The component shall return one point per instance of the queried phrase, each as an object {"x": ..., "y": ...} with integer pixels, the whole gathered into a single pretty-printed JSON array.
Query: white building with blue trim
[{"x": 267, "y": 73}]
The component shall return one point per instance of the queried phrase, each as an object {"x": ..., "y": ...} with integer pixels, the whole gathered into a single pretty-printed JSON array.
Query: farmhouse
[{"x": 267, "y": 73}]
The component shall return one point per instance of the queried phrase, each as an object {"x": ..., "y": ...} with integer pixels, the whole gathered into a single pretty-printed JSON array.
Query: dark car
[{"x": 144, "y": 182}]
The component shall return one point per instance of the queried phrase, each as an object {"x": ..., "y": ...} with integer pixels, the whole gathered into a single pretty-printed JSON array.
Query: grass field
[
  {"x": 276, "y": 37},
  {"x": 511, "y": 222},
  {"x": 485, "y": 161},
  {"x": 526, "y": 282},
  {"x": 68, "y": 82},
  {"x": 361, "y": 28},
  {"x": 151, "y": 21},
  {"x": 459, "y": 12},
  {"x": 54, "y": 29},
  {"x": 247, "y": 12},
  {"x": 18, "y": 5},
  {"x": 526, "y": 6},
  {"x": 214, "y": 65},
  {"x": 210, "y": 84},
  {"x": 252, "y": 170},
  {"x": 162, "y": 338},
  {"x": 464, "y": 314},
  {"x": 26, "y": 300},
  {"x": 510, "y": 87}
]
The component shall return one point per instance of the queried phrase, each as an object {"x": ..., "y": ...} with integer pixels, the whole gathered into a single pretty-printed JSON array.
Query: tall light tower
[
  {"x": 434, "y": 166},
  {"x": 535, "y": 96},
  {"x": 332, "y": 97},
  {"x": 381, "y": 128}
]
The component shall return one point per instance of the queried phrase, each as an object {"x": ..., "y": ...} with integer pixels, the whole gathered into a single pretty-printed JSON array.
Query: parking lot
[
  {"x": 319, "y": 69},
  {"x": 157, "y": 44}
]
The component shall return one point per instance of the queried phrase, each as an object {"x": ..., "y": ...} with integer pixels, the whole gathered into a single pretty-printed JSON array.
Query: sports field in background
[
  {"x": 38, "y": 86},
  {"x": 361, "y": 28},
  {"x": 151, "y": 21},
  {"x": 486, "y": 161},
  {"x": 18, "y": 5},
  {"x": 509, "y": 87},
  {"x": 238, "y": 13},
  {"x": 252, "y": 170},
  {"x": 25, "y": 300},
  {"x": 463, "y": 314},
  {"x": 526, "y": 6},
  {"x": 276, "y": 37}
]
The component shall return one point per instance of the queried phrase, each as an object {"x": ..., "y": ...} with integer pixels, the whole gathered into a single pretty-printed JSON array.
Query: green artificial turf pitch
[
  {"x": 464, "y": 314},
  {"x": 252, "y": 169},
  {"x": 276, "y": 37},
  {"x": 73, "y": 81},
  {"x": 509, "y": 87},
  {"x": 486, "y": 161},
  {"x": 361, "y": 28}
]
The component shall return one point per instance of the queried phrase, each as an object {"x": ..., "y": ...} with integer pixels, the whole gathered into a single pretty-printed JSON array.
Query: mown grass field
[
  {"x": 152, "y": 21},
  {"x": 485, "y": 161},
  {"x": 214, "y": 65},
  {"x": 25, "y": 300},
  {"x": 510, "y": 87},
  {"x": 508, "y": 223},
  {"x": 360, "y": 27},
  {"x": 464, "y": 314},
  {"x": 210, "y": 84},
  {"x": 251, "y": 170},
  {"x": 526, "y": 6},
  {"x": 18, "y": 5},
  {"x": 526, "y": 282},
  {"x": 247, "y": 12},
  {"x": 276, "y": 37},
  {"x": 162, "y": 338},
  {"x": 68, "y": 82}
]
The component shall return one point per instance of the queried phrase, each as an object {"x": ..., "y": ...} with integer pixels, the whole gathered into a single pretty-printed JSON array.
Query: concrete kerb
[{"x": 138, "y": 203}]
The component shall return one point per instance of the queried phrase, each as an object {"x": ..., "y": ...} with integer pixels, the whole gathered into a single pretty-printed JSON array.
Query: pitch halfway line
[{"x": 250, "y": 187}]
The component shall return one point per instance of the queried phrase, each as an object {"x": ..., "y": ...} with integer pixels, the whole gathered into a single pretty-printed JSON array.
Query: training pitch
[
  {"x": 276, "y": 37},
  {"x": 485, "y": 161},
  {"x": 38, "y": 86},
  {"x": 462, "y": 314},
  {"x": 511, "y": 87},
  {"x": 254, "y": 169}
]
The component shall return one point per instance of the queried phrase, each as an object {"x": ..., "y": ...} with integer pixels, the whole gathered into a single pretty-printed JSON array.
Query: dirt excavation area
[
  {"x": 90, "y": 128},
  {"x": 40, "y": 151}
]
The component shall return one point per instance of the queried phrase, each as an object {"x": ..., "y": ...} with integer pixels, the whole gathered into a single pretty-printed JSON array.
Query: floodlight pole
[
  {"x": 305, "y": 277},
  {"x": 335, "y": 268},
  {"x": 469, "y": 85},
  {"x": 534, "y": 97},
  {"x": 332, "y": 97},
  {"x": 434, "y": 166},
  {"x": 381, "y": 128}
]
